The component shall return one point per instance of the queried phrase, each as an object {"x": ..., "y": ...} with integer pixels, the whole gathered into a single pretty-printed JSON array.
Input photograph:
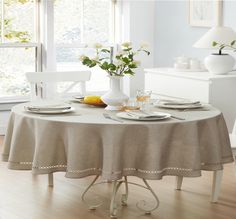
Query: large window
[
  {"x": 18, "y": 46},
  {"x": 78, "y": 25}
]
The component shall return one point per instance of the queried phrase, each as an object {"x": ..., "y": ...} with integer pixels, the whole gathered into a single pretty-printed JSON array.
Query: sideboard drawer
[{"x": 178, "y": 87}]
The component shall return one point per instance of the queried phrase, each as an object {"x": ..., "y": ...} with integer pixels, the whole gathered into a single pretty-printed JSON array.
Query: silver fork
[{"x": 107, "y": 116}]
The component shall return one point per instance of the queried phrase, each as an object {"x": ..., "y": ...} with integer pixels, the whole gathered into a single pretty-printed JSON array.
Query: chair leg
[
  {"x": 178, "y": 182},
  {"x": 50, "y": 179},
  {"x": 217, "y": 177}
]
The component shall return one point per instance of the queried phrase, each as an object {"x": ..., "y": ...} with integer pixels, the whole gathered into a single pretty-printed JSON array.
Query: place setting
[
  {"x": 49, "y": 108},
  {"x": 143, "y": 116},
  {"x": 140, "y": 109},
  {"x": 181, "y": 105}
]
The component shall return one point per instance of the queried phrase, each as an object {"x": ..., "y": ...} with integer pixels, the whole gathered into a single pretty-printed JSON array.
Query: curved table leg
[
  {"x": 124, "y": 197},
  {"x": 113, "y": 205},
  {"x": 142, "y": 205},
  {"x": 91, "y": 206}
]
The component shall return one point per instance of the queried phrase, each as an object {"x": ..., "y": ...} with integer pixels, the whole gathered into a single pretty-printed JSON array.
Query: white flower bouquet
[{"x": 123, "y": 62}]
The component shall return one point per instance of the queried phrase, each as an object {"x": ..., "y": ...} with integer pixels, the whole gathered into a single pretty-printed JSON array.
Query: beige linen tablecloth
[{"x": 88, "y": 144}]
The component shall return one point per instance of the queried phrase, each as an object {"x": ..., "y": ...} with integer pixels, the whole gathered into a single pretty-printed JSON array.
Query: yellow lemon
[{"x": 93, "y": 100}]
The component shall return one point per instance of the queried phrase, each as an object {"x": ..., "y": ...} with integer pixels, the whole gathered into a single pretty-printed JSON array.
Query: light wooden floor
[{"x": 23, "y": 196}]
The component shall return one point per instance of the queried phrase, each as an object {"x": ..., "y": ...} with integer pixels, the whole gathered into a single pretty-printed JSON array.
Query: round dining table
[{"x": 85, "y": 142}]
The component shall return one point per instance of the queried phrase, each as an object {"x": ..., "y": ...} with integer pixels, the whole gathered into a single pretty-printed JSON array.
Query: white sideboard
[{"x": 218, "y": 90}]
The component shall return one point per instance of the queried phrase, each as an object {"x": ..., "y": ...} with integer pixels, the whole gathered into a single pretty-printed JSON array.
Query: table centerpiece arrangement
[{"x": 116, "y": 66}]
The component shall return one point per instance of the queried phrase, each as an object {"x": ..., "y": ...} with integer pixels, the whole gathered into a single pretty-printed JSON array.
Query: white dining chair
[
  {"x": 43, "y": 85},
  {"x": 232, "y": 137},
  {"x": 217, "y": 176}
]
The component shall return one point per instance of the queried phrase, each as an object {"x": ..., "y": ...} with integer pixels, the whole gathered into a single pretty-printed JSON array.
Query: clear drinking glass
[
  {"x": 131, "y": 104},
  {"x": 143, "y": 98}
]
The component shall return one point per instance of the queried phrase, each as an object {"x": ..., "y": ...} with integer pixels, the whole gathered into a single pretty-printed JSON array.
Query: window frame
[
  {"x": 6, "y": 102},
  {"x": 45, "y": 47},
  {"x": 37, "y": 47},
  {"x": 112, "y": 35},
  {"x": 112, "y": 28}
]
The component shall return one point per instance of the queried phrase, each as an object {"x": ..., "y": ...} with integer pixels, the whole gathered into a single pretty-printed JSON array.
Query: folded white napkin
[
  {"x": 181, "y": 103},
  {"x": 143, "y": 115},
  {"x": 52, "y": 107}
]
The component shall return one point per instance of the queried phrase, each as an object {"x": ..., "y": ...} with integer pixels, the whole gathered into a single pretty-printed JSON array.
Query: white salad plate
[{"x": 154, "y": 116}]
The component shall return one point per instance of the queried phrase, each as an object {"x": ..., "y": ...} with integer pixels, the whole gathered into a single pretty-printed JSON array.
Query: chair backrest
[{"x": 40, "y": 82}]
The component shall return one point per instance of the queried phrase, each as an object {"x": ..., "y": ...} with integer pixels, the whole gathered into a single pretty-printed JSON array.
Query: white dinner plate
[
  {"x": 177, "y": 106},
  {"x": 161, "y": 116},
  {"x": 56, "y": 111}
]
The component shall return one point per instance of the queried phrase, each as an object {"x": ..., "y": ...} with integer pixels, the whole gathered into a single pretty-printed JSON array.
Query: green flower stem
[
  {"x": 222, "y": 46},
  {"x": 124, "y": 60}
]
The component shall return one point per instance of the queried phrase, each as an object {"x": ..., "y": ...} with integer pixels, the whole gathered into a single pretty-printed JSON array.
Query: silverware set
[{"x": 107, "y": 116}]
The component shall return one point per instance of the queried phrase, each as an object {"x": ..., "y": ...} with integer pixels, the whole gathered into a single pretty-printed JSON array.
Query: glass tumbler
[{"x": 143, "y": 98}]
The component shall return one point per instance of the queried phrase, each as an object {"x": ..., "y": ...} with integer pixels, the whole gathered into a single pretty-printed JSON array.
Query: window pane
[
  {"x": 82, "y": 21},
  {"x": 14, "y": 63},
  {"x": 97, "y": 18},
  {"x": 67, "y": 21},
  {"x": 68, "y": 60},
  {"x": 19, "y": 20}
]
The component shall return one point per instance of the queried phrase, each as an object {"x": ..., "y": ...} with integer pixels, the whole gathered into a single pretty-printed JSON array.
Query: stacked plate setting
[
  {"x": 48, "y": 108},
  {"x": 172, "y": 104},
  {"x": 143, "y": 116}
]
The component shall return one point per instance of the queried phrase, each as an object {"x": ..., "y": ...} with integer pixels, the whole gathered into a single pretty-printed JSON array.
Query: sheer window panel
[
  {"x": 67, "y": 21},
  {"x": 82, "y": 21},
  {"x": 14, "y": 63},
  {"x": 97, "y": 17}
]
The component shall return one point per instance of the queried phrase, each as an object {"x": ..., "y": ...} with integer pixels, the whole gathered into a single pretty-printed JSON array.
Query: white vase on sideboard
[
  {"x": 219, "y": 64},
  {"x": 114, "y": 98}
]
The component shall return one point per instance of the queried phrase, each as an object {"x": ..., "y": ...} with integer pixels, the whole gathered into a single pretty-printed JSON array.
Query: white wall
[{"x": 173, "y": 34}]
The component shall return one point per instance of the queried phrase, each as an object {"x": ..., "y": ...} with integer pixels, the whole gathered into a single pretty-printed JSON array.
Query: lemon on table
[{"x": 95, "y": 100}]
